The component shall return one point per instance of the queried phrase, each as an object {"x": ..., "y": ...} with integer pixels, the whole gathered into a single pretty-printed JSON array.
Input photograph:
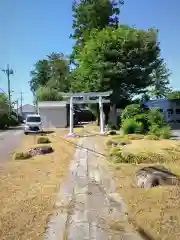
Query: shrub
[
  {"x": 42, "y": 140},
  {"x": 3, "y": 120},
  {"x": 131, "y": 111},
  {"x": 155, "y": 117},
  {"x": 131, "y": 126},
  {"x": 161, "y": 132},
  {"x": 165, "y": 132},
  {"x": 117, "y": 156},
  {"x": 13, "y": 121},
  {"x": 22, "y": 155},
  {"x": 143, "y": 119},
  {"x": 154, "y": 130}
]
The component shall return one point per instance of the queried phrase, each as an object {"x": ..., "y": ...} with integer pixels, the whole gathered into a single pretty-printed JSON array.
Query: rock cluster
[
  {"x": 153, "y": 176},
  {"x": 40, "y": 150}
]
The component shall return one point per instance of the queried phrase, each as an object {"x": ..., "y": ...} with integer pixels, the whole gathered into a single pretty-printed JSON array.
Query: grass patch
[
  {"x": 151, "y": 137},
  {"x": 116, "y": 155},
  {"x": 29, "y": 188},
  {"x": 22, "y": 156},
  {"x": 43, "y": 140},
  {"x": 135, "y": 136},
  {"x": 154, "y": 212},
  {"x": 117, "y": 142}
]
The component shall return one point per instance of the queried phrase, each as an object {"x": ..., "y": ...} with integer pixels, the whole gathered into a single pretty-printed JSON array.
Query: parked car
[{"x": 33, "y": 124}]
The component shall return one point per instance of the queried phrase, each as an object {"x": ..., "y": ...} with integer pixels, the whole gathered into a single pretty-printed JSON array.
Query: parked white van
[{"x": 33, "y": 124}]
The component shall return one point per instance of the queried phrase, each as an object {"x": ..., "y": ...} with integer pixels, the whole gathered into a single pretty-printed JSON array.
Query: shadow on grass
[
  {"x": 144, "y": 234},
  {"x": 78, "y": 126},
  {"x": 47, "y": 132}
]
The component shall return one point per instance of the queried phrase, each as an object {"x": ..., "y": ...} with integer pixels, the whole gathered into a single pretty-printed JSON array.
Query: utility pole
[
  {"x": 21, "y": 101},
  {"x": 8, "y": 72}
]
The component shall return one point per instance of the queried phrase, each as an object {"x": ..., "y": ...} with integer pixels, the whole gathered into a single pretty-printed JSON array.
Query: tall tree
[
  {"x": 117, "y": 59},
  {"x": 59, "y": 67},
  {"x": 160, "y": 78},
  {"x": 40, "y": 75},
  {"x": 52, "y": 72},
  {"x": 92, "y": 14}
]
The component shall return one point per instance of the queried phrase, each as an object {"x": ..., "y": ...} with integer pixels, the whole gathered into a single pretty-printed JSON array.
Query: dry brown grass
[
  {"x": 28, "y": 189},
  {"x": 154, "y": 212}
]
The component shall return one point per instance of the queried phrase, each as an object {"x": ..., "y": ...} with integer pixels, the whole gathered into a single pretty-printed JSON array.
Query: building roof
[{"x": 45, "y": 104}]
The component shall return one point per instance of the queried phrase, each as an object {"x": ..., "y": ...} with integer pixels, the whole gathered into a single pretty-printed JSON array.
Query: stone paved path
[{"x": 88, "y": 208}]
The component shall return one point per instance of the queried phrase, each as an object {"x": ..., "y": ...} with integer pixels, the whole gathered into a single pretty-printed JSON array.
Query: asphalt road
[
  {"x": 176, "y": 134},
  {"x": 9, "y": 140}
]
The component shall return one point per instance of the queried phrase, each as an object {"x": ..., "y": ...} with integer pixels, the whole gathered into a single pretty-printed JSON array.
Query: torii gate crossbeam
[{"x": 90, "y": 97}]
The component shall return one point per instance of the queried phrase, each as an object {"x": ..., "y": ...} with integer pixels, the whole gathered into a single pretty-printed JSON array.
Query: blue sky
[{"x": 29, "y": 30}]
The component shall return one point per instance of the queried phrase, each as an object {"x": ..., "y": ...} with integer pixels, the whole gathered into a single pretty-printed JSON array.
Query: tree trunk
[{"x": 112, "y": 115}]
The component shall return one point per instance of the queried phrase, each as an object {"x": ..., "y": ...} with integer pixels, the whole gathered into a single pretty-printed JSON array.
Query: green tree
[
  {"x": 174, "y": 95},
  {"x": 52, "y": 72},
  {"x": 40, "y": 75},
  {"x": 4, "y": 114},
  {"x": 3, "y": 103},
  {"x": 48, "y": 94},
  {"x": 160, "y": 77},
  {"x": 117, "y": 59},
  {"x": 92, "y": 14},
  {"x": 59, "y": 72}
]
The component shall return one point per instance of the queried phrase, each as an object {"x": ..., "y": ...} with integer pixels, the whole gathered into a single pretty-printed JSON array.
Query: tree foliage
[
  {"x": 40, "y": 75},
  {"x": 160, "y": 78},
  {"x": 92, "y": 14},
  {"x": 118, "y": 59},
  {"x": 174, "y": 95},
  {"x": 4, "y": 103},
  {"x": 52, "y": 72},
  {"x": 59, "y": 72},
  {"x": 48, "y": 94}
]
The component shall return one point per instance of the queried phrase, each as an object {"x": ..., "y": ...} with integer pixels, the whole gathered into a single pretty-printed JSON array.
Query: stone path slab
[{"x": 87, "y": 205}]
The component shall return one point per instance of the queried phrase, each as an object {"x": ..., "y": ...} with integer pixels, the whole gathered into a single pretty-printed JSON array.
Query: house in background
[
  {"x": 26, "y": 110},
  {"x": 169, "y": 108}
]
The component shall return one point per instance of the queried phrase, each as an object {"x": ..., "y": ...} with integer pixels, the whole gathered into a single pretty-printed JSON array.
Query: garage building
[{"x": 53, "y": 114}]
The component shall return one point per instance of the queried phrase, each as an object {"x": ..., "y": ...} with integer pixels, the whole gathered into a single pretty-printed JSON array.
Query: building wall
[
  {"x": 24, "y": 114},
  {"x": 53, "y": 116},
  {"x": 26, "y": 110},
  {"x": 169, "y": 108}
]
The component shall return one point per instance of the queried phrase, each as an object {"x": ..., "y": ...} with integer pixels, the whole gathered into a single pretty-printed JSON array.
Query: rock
[
  {"x": 40, "y": 150},
  {"x": 153, "y": 176}
]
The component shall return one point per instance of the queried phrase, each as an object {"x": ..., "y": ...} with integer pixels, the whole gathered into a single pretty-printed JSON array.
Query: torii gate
[{"x": 90, "y": 97}]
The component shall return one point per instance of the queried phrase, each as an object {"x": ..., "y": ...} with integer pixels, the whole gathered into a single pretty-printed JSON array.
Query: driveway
[
  {"x": 9, "y": 140},
  {"x": 176, "y": 134}
]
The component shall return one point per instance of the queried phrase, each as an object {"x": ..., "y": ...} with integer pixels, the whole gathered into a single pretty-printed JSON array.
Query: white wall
[
  {"x": 53, "y": 116},
  {"x": 167, "y": 106}
]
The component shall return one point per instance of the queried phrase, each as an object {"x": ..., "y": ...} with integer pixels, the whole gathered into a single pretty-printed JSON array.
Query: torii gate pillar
[
  {"x": 71, "y": 120},
  {"x": 102, "y": 123}
]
